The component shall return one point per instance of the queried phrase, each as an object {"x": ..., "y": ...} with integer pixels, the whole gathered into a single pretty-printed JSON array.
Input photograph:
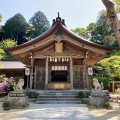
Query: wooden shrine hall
[{"x": 59, "y": 59}]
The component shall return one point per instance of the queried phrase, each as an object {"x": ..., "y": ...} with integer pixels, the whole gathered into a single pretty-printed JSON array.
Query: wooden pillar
[
  {"x": 84, "y": 73},
  {"x": 35, "y": 77},
  {"x": 86, "y": 68},
  {"x": 71, "y": 72},
  {"x": 31, "y": 73},
  {"x": 46, "y": 75}
]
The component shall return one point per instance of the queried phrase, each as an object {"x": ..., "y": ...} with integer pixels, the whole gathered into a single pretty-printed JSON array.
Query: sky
[{"x": 77, "y": 13}]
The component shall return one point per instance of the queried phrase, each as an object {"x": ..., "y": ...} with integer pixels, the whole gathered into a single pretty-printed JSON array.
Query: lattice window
[{"x": 77, "y": 73}]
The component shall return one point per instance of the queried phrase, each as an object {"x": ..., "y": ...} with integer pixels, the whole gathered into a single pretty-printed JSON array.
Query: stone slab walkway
[{"x": 56, "y": 112}]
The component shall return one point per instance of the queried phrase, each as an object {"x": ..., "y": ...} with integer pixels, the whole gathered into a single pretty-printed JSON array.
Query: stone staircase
[{"x": 58, "y": 97}]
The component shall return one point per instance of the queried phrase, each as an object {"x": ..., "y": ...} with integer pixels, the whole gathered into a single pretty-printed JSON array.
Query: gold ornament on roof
[{"x": 58, "y": 47}]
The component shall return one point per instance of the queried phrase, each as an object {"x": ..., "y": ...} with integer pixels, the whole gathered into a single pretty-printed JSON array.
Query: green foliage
[
  {"x": 103, "y": 79},
  {"x": 6, "y": 44},
  {"x": 40, "y": 23},
  {"x": 0, "y": 17},
  {"x": 2, "y": 53},
  {"x": 117, "y": 91},
  {"x": 100, "y": 32},
  {"x": 111, "y": 67},
  {"x": 117, "y": 5},
  {"x": 91, "y": 27},
  {"x": 103, "y": 31},
  {"x": 15, "y": 28},
  {"x": 0, "y": 21},
  {"x": 81, "y": 94},
  {"x": 30, "y": 33},
  {"x": 115, "y": 53},
  {"x": 81, "y": 32},
  {"x": 5, "y": 104},
  {"x": 107, "y": 105}
]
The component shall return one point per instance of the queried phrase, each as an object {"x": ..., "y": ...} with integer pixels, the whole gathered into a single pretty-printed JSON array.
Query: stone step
[
  {"x": 59, "y": 91},
  {"x": 55, "y": 96},
  {"x": 54, "y": 91},
  {"x": 58, "y": 102},
  {"x": 58, "y": 96},
  {"x": 61, "y": 99}
]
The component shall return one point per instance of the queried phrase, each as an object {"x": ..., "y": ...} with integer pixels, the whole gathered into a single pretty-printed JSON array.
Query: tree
[
  {"x": 81, "y": 32},
  {"x": 0, "y": 26},
  {"x": 0, "y": 21},
  {"x": 91, "y": 27},
  {"x": 15, "y": 28},
  {"x": 0, "y": 17},
  {"x": 30, "y": 33},
  {"x": 6, "y": 44},
  {"x": 111, "y": 14},
  {"x": 102, "y": 32},
  {"x": 40, "y": 23},
  {"x": 111, "y": 67},
  {"x": 117, "y": 5}
]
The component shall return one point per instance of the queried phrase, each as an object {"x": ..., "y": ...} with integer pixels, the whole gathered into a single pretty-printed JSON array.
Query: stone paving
[
  {"x": 57, "y": 112},
  {"x": 50, "y": 112},
  {"x": 61, "y": 112}
]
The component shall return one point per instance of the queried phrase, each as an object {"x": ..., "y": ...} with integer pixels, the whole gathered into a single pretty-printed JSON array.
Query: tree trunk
[{"x": 113, "y": 18}]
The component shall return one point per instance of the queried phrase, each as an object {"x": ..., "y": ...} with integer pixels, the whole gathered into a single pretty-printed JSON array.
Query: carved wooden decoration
[{"x": 59, "y": 47}]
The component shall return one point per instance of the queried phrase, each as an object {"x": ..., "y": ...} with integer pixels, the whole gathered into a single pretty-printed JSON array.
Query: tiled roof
[{"x": 11, "y": 65}]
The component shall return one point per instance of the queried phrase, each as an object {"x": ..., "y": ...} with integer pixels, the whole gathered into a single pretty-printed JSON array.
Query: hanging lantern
[{"x": 90, "y": 71}]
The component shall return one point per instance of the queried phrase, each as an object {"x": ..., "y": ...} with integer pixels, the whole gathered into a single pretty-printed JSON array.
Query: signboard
[
  {"x": 27, "y": 71},
  {"x": 90, "y": 71}
]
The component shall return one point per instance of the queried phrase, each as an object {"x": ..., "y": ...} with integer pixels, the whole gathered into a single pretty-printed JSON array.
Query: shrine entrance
[{"x": 59, "y": 74}]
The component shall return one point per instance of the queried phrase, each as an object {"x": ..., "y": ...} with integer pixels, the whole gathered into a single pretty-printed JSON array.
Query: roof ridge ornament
[
  {"x": 58, "y": 20},
  {"x": 58, "y": 14}
]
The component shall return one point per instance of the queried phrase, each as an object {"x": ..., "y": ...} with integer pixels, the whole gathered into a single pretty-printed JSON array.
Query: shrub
[
  {"x": 6, "y": 84},
  {"x": 5, "y": 104},
  {"x": 107, "y": 105},
  {"x": 32, "y": 95},
  {"x": 4, "y": 87},
  {"x": 81, "y": 94}
]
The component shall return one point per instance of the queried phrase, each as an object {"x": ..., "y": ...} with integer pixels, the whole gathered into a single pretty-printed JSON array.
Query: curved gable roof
[{"x": 59, "y": 25}]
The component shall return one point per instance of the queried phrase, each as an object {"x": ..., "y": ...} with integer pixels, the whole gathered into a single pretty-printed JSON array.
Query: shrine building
[{"x": 59, "y": 59}]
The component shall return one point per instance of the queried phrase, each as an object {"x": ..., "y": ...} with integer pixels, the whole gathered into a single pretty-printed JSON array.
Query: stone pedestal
[
  {"x": 98, "y": 98},
  {"x": 17, "y": 99}
]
